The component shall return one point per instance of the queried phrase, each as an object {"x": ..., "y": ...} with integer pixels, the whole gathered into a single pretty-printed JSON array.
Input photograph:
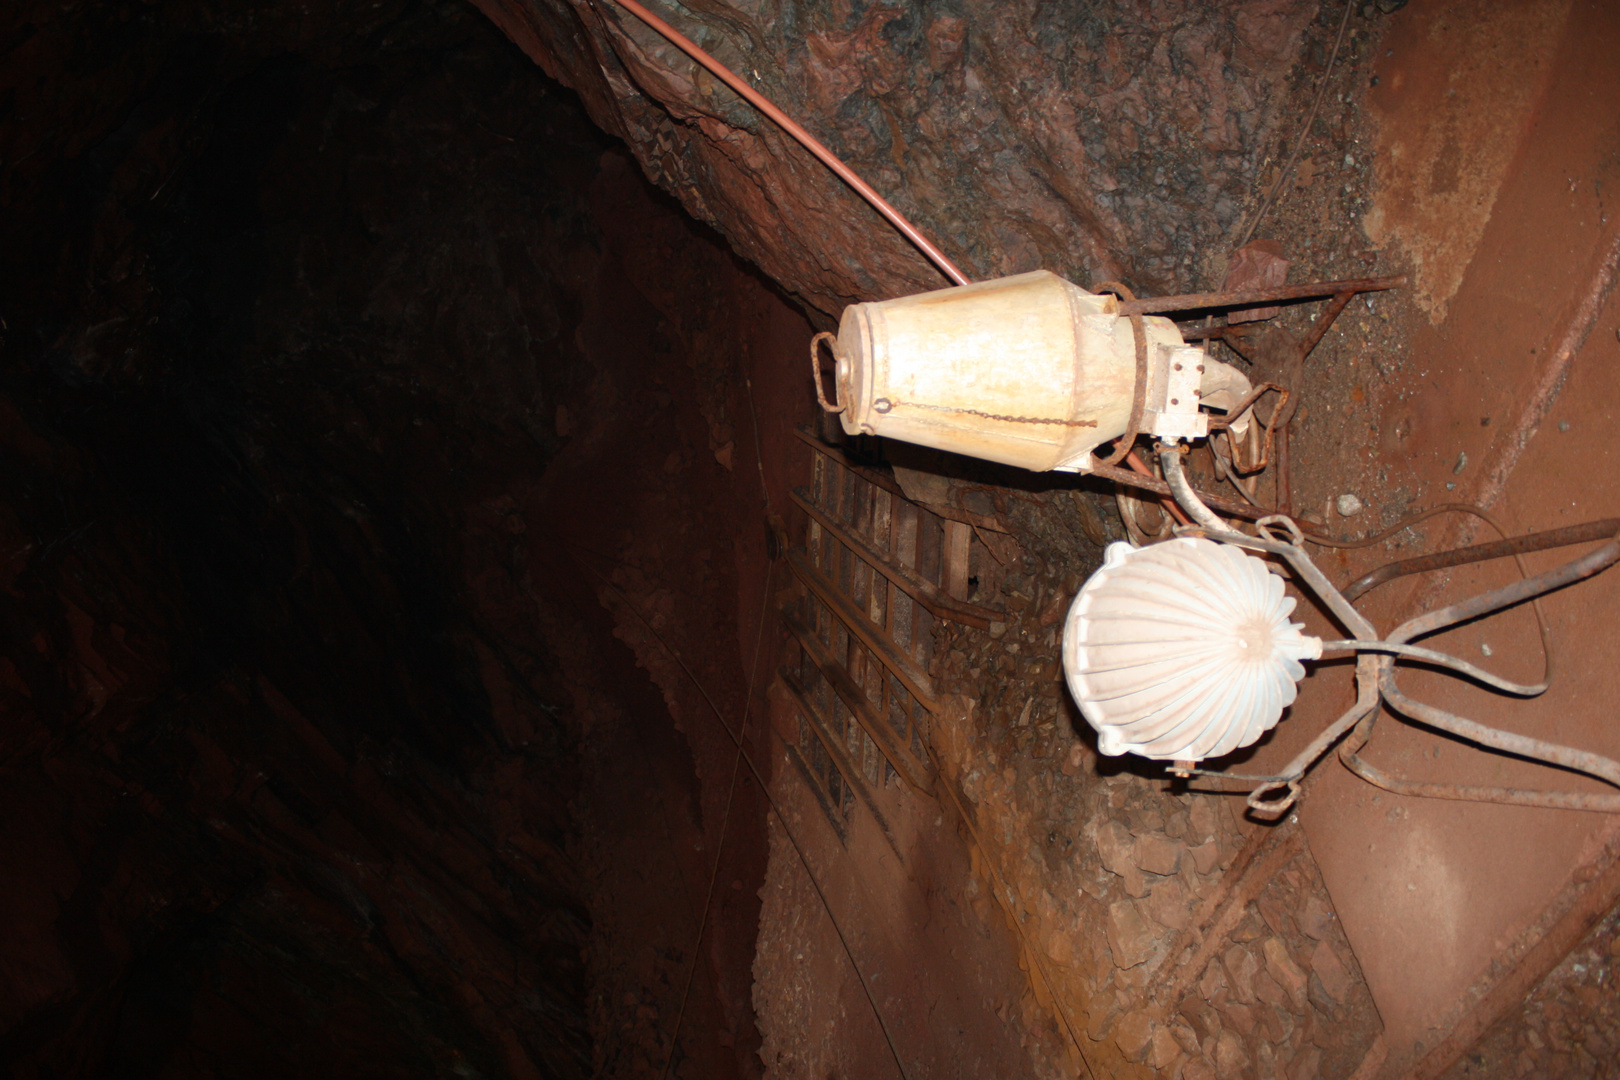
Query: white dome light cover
[{"x": 1183, "y": 650}]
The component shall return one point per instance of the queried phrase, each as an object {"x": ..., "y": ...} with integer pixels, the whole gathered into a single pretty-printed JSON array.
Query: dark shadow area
[{"x": 320, "y": 753}]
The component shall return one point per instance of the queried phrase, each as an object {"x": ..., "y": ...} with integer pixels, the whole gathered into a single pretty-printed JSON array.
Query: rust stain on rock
[{"x": 1448, "y": 127}]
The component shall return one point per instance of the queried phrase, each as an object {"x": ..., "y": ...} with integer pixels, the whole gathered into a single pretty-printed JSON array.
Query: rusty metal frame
[
  {"x": 888, "y": 483},
  {"x": 1518, "y": 545},
  {"x": 905, "y": 764},
  {"x": 857, "y": 592},
  {"x": 914, "y": 678},
  {"x": 917, "y": 587},
  {"x": 849, "y": 772}
]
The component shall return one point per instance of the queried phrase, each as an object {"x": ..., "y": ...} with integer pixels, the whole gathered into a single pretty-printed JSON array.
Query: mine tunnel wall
[{"x": 403, "y": 460}]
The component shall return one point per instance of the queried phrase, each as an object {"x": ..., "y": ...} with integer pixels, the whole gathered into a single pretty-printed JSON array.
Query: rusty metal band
[
  {"x": 1139, "y": 394},
  {"x": 1595, "y": 802}
]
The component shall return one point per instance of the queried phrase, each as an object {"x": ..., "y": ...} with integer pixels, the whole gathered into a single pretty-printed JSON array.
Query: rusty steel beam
[
  {"x": 1591, "y": 893},
  {"x": 1236, "y": 330},
  {"x": 1156, "y": 305},
  {"x": 1499, "y": 549}
]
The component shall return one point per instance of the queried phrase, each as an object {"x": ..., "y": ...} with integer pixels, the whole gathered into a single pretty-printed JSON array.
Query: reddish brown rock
[
  {"x": 1198, "y": 1068},
  {"x": 1131, "y": 937},
  {"x": 1165, "y": 1049},
  {"x": 1204, "y": 1022},
  {"x": 1281, "y": 966},
  {"x": 1207, "y": 856},
  {"x": 1203, "y": 818},
  {"x": 1158, "y": 854},
  {"x": 1185, "y": 1037},
  {"x": 1168, "y": 905},
  {"x": 1307, "y": 1065},
  {"x": 1240, "y": 1017},
  {"x": 1116, "y": 140},
  {"x": 1231, "y": 1059},
  {"x": 1241, "y": 967},
  {"x": 1268, "y": 990},
  {"x": 1330, "y": 972},
  {"x": 1275, "y": 1021},
  {"x": 1134, "y": 1035},
  {"x": 1117, "y": 849},
  {"x": 1259, "y": 264},
  {"x": 1316, "y": 917}
]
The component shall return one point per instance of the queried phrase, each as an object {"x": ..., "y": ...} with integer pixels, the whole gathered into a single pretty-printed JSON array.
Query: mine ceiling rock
[{"x": 1097, "y": 140}]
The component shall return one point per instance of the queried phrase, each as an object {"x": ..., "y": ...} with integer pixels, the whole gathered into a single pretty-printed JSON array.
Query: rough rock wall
[{"x": 1118, "y": 139}]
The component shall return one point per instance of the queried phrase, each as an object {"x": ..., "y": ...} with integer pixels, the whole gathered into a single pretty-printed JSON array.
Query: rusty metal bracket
[
  {"x": 1518, "y": 545},
  {"x": 1375, "y": 680}
]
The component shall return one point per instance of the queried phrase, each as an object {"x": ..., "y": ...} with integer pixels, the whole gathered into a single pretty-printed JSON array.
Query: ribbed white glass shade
[{"x": 1183, "y": 650}]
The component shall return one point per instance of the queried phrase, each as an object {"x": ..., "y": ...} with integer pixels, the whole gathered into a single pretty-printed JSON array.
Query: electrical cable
[
  {"x": 1141, "y": 468},
  {"x": 805, "y": 139},
  {"x": 1405, "y": 523}
]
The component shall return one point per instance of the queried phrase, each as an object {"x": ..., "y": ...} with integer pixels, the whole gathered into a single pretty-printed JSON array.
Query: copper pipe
[
  {"x": 1154, "y": 305},
  {"x": 807, "y": 140}
]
